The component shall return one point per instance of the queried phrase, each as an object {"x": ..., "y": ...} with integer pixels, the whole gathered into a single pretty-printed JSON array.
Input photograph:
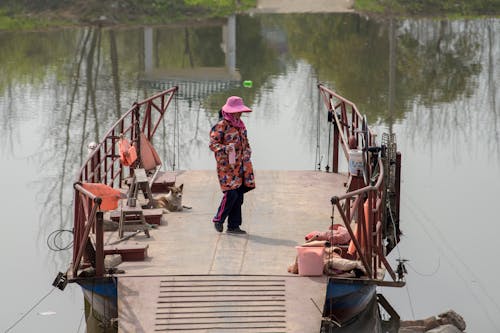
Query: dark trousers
[{"x": 230, "y": 207}]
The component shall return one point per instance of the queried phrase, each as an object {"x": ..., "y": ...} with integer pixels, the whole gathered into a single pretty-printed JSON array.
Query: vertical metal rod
[
  {"x": 362, "y": 233},
  {"x": 76, "y": 224},
  {"x": 106, "y": 174},
  {"x": 353, "y": 238},
  {"x": 369, "y": 231},
  {"x": 397, "y": 185},
  {"x": 83, "y": 239},
  {"x": 335, "y": 157},
  {"x": 99, "y": 246}
]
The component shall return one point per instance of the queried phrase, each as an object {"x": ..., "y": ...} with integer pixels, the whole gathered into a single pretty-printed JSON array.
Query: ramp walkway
[{"x": 195, "y": 279}]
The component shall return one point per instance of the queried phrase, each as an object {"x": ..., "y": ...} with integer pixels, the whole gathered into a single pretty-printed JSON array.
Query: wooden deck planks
[{"x": 285, "y": 206}]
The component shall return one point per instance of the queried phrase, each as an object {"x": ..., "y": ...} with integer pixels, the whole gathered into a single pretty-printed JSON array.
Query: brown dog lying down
[
  {"x": 333, "y": 262},
  {"x": 172, "y": 201}
]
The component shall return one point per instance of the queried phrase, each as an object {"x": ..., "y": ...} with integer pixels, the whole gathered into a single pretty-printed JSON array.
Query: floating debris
[
  {"x": 447, "y": 322},
  {"x": 46, "y": 313}
]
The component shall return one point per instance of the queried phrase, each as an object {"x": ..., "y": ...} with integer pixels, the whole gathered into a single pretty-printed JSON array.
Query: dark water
[{"x": 433, "y": 83}]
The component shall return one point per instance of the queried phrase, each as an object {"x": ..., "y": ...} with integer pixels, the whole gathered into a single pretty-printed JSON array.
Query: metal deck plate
[{"x": 220, "y": 303}]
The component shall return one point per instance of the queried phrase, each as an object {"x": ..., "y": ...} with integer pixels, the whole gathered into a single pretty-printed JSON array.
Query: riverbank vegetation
[
  {"x": 28, "y": 14},
  {"x": 440, "y": 8},
  {"x": 39, "y": 14}
]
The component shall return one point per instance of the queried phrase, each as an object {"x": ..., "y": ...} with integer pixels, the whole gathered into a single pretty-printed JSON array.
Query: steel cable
[
  {"x": 441, "y": 244},
  {"x": 31, "y": 309}
]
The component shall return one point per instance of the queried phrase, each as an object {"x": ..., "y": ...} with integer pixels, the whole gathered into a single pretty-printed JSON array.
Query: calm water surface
[{"x": 433, "y": 83}]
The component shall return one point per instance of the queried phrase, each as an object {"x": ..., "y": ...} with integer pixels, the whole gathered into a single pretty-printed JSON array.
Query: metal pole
[{"x": 99, "y": 246}]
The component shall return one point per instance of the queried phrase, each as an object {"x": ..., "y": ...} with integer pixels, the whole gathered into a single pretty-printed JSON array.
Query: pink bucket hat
[{"x": 234, "y": 104}]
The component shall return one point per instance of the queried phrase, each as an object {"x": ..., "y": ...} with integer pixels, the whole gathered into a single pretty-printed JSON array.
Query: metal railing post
[
  {"x": 99, "y": 246},
  {"x": 336, "y": 141}
]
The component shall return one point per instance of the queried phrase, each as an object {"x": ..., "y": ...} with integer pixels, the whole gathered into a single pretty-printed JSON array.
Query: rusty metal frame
[
  {"x": 370, "y": 250},
  {"x": 344, "y": 126},
  {"x": 103, "y": 166}
]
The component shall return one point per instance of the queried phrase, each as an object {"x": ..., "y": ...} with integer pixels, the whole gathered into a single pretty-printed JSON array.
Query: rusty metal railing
[
  {"x": 364, "y": 203},
  {"x": 365, "y": 207},
  {"x": 347, "y": 121},
  {"x": 103, "y": 166}
]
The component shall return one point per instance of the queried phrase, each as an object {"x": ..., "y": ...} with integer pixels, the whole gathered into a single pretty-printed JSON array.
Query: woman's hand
[{"x": 229, "y": 148}]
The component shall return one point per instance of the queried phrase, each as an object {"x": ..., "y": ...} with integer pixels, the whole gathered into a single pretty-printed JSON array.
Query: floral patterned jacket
[{"x": 239, "y": 174}]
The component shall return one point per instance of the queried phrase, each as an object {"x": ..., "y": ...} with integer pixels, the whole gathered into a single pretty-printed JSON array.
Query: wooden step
[
  {"x": 152, "y": 216},
  {"x": 129, "y": 252},
  {"x": 132, "y": 219},
  {"x": 163, "y": 180}
]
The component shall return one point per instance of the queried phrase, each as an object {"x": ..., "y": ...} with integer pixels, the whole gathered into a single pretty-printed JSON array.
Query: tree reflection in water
[{"x": 435, "y": 77}]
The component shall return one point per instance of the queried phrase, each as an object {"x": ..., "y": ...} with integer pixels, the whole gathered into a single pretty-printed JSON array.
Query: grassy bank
[
  {"x": 39, "y": 14},
  {"x": 448, "y": 8}
]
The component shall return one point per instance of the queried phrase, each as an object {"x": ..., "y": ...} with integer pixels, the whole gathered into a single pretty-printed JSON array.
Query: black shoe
[
  {"x": 236, "y": 230},
  {"x": 218, "y": 226}
]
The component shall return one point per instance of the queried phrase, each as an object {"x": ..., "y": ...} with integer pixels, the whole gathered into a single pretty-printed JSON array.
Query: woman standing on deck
[{"x": 229, "y": 142}]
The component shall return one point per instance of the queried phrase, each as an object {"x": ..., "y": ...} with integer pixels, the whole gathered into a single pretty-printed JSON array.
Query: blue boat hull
[
  {"x": 101, "y": 296},
  {"x": 351, "y": 306}
]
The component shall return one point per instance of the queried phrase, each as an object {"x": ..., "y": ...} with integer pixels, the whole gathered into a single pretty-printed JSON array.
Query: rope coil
[{"x": 54, "y": 240}]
